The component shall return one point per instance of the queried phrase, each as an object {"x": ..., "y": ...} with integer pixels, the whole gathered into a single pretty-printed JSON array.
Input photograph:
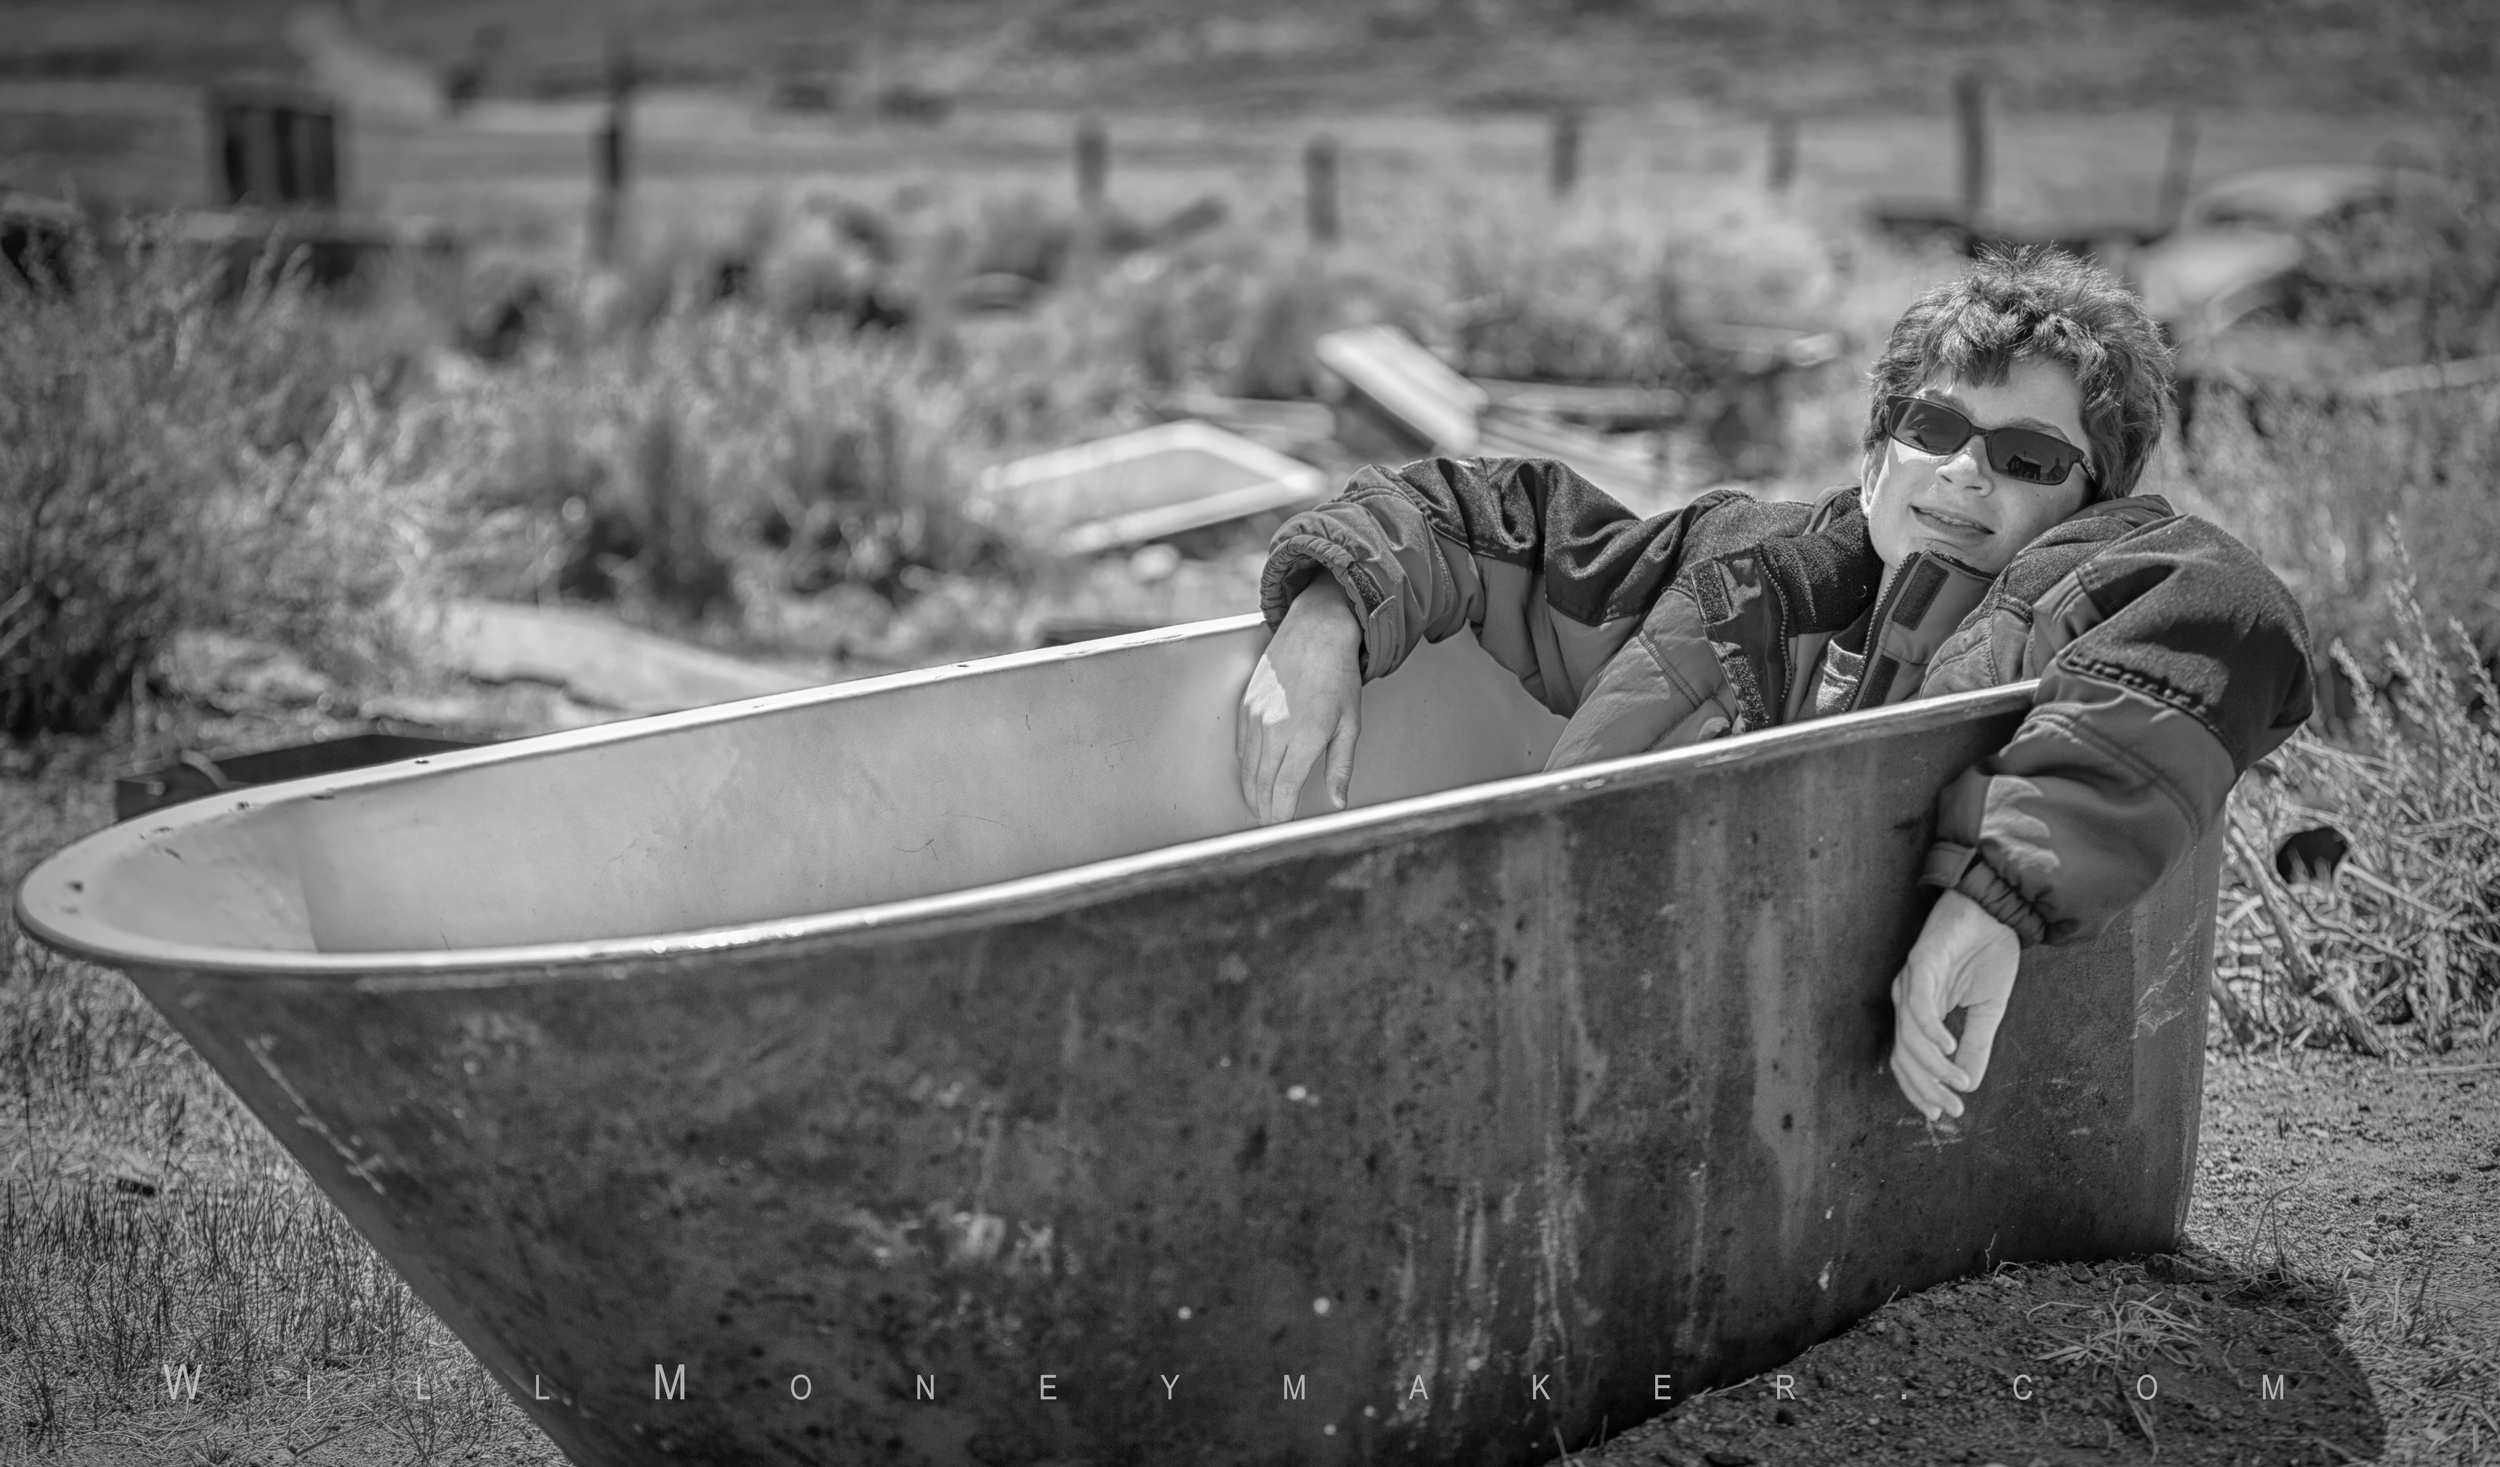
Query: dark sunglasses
[{"x": 2018, "y": 453}]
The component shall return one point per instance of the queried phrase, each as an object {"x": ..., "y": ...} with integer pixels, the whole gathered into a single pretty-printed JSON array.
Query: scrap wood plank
[
  {"x": 1614, "y": 406},
  {"x": 1418, "y": 389},
  {"x": 1144, "y": 485},
  {"x": 599, "y": 659}
]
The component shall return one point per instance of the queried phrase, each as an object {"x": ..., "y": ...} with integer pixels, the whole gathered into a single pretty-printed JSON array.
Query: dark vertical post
[
  {"x": 2177, "y": 168},
  {"x": 257, "y": 124},
  {"x": 1093, "y": 164},
  {"x": 1970, "y": 111},
  {"x": 1783, "y": 171},
  {"x": 1319, "y": 188},
  {"x": 612, "y": 153},
  {"x": 310, "y": 166},
  {"x": 1563, "y": 170}
]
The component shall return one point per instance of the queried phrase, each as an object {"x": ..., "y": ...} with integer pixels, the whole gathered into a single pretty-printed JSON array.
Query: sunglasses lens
[
  {"x": 1929, "y": 427},
  {"x": 2034, "y": 458}
]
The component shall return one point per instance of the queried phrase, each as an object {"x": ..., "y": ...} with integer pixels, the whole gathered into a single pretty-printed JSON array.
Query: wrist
[
  {"x": 1321, "y": 609},
  {"x": 1954, "y": 909}
]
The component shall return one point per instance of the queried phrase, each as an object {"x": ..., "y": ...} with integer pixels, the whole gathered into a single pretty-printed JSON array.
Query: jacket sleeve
[
  {"x": 2168, "y": 664},
  {"x": 1551, "y": 574}
]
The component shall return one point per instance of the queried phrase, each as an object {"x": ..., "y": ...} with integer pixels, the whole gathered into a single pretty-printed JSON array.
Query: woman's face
[{"x": 1954, "y": 503}]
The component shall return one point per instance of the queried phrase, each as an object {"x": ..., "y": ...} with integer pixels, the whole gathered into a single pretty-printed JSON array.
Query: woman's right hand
[{"x": 1304, "y": 700}]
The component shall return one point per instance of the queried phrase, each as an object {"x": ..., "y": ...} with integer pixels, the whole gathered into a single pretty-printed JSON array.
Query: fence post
[
  {"x": 1970, "y": 111},
  {"x": 1783, "y": 151},
  {"x": 2177, "y": 168},
  {"x": 612, "y": 153},
  {"x": 1563, "y": 168},
  {"x": 1319, "y": 188},
  {"x": 1093, "y": 164}
]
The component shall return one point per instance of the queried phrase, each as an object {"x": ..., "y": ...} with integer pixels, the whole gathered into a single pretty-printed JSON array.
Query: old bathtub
[{"x": 939, "y": 1069}]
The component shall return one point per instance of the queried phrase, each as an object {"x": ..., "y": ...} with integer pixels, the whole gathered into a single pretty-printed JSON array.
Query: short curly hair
[{"x": 2041, "y": 304}]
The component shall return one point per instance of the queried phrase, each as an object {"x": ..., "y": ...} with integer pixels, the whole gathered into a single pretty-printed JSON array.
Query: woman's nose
[{"x": 1966, "y": 468}]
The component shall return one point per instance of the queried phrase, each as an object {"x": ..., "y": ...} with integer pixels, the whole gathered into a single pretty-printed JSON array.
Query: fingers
[
  {"x": 1908, "y": 1041},
  {"x": 1246, "y": 754},
  {"x": 1979, "y": 1037},
  {"x": 1341, "y": 760},
  {"x": 1918, "y": 1010},
  {"x": 1927, "y": 1078},
  {"x": 1292, "y": 765},
  {"x": 1922, "y": 1089}
]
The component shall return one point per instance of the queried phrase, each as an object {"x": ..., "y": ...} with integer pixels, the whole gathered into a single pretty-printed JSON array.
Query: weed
[
  {"x": 2405, "y": 931},
  {"x": 2124, "y": 1331},
  {"x": 170, "y": 458}
]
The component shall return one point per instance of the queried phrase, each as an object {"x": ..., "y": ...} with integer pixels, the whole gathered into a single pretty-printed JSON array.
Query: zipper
[
  {"x": 1895, "y": 578},
  {"x": 1778, "y": 703}
]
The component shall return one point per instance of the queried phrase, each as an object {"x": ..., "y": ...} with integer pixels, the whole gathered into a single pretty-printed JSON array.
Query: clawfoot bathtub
[{"x": 940, "y": 1069}]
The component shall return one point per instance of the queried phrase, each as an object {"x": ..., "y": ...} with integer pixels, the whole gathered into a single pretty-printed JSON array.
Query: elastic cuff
[
  {"x": 1956, "y": 867},
  {"x": 1290, "y": 566}
]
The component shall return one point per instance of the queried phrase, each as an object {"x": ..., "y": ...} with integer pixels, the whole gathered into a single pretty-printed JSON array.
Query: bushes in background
[{"x": 170, "y": 459}]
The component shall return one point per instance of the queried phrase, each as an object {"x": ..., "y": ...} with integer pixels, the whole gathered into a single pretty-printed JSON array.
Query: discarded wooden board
[
  {"x": 2200, "y": 281},
  {"x": 1144, "y": 485},
  {"x": 1280, "y": 424},
  {"x": 929, "y": 1069},
  {"x": 1413, "y": 386},
  {"x": 1429, "y": 404},
  {"x": 1612, "y": 409},
  {"x": 598, "y": 658}
]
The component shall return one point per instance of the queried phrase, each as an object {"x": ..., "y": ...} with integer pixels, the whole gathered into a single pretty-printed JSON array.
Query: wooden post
[
  {"x": 1319, "y": 188},
  {"x": 1093, "y": 164},
  {"x": 1563, "y": 171},
  {"x": 2177, "y": 168},
  {"x": 612, "y": 154},
  {"x": 1783, "y": 171},
  {"x": 1970, "y": 111}
]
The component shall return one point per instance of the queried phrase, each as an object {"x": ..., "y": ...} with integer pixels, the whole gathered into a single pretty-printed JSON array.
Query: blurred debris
[
  {"x": 1283, "y": 424},
  {"x": 2295, "y": 196},
  {"x": 1400, "y": 397},
  {"x": 231, "y": 672},
  {"x": 1144, "y": 485},
  {"x": 2202, "y": 281},
  {"x": 1607, "y": 409},
  {"x": 1415, "y": 391},
  {"x": 2427, "y": 377},
  {"x": 598, "y": 658}
]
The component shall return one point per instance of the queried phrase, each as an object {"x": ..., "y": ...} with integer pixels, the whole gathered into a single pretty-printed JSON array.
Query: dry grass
[
  {"x": 148, "y": 1221},
  {"x": 2402, "y": 942},
  {"x": 173, "y": 456}
]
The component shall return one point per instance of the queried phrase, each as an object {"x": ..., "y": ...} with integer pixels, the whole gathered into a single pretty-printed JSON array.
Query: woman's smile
[{"x": 1950, "y": 526}]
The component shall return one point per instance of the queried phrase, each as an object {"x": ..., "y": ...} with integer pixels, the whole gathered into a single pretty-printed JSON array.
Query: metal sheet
[{"x": 1469, "y": 1114}]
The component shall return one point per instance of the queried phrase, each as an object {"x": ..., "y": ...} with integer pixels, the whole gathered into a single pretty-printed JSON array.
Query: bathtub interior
[{"x": 847, "y": 797}]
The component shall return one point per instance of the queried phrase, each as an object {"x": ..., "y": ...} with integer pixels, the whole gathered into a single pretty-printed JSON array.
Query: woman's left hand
[{"x": 1963, "y": 959}]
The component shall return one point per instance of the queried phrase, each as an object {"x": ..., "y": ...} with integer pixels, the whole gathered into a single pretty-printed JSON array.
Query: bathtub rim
[{"x": 47, "y": 907}]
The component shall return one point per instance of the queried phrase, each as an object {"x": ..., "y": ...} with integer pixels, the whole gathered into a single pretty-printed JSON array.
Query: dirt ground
[{"x": 2341, "y": 1242}]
